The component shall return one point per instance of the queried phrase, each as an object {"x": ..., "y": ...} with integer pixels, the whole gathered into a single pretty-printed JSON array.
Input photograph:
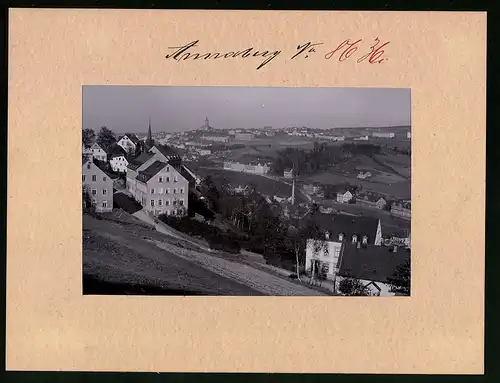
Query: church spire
[{"x": 149, "y": 139}]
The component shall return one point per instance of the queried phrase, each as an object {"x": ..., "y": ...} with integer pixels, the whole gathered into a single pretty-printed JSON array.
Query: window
[
  {"x": 168, "y": 179},
  {"x": 104, "y": 191},
  {"x": 175, "y": 178},
  {"x": 160, "y": 202},
  {"x": 94, "y": 178},
  {"x": 181, "y": 191},
  {"x": 160, "y": 179},
  {"x": 152, "y": 191},
  {"x": 167, "y": 202},
  {"x": 83, "y": 178},
  {"x": 167, "y": 191},
  {"x": 88, "y": 166},
  {"x": 94, "y": 192},
  {"x": 175, "y": 191},
  {"x": 181, "y": 202},
  {"x": 104, "y": 203},
  {"x": 104, "y": 179},
  {"x": 152, "y": 203},
  {"x": 336, "y": 252},
  {"x": 168, "y": 169}
]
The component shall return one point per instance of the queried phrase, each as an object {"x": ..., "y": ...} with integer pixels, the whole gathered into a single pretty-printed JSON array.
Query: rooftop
[
  {"x": 153, "y": 169},
  {"x": 373, "y": 263},
  {"x": 137, "y": 162},
  {"x": 348, "y": 225}
]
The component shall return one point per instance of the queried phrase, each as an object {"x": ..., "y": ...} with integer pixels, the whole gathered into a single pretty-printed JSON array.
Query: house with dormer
[
  {"x": 128, "y": 142},
  {"x": 323, "y": 255},
  {"x": 159, "y": 181}
]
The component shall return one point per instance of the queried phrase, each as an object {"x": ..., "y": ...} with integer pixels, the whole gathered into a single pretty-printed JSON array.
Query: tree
[
  {"x": 353, "y": 287},
  {"x": 400, "y": 281},
  {"x": 88, "y": 137},
  {"x": 105, "y": 138},
  {"x": 88, "y": 205}
]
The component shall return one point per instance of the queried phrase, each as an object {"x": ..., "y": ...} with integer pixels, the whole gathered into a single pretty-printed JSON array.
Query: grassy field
[{"x": 264, "y": 185}]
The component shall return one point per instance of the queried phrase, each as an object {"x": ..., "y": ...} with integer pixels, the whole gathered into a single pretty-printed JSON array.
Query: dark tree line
[{"x": 320, "y": 157}]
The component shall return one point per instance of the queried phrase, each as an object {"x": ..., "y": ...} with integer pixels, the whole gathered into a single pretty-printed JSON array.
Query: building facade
[
  {"x": 98, "y": 185},
  {"x": 258, "y": 168},
  {"x": 98, "y": 153},
  {"x": 382, "y": 135},
  {"x": 160, "y": 182},
  {"x": 118, "y": 163},
  {"x": 128, "y": 142},
  {"x": 401, "y": 209},
  {"x": 344, "y": 196},
  {"x": 288, "y": 173}
]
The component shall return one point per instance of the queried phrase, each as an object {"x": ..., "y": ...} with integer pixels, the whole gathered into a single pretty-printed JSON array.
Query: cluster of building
[
  {"x": 353, "y": 248},
  {"x": 400, "y": 208},
  {"x": 157, "y": 178}
]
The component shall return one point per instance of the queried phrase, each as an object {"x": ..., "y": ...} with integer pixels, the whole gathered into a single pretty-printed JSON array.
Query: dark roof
[
  {"x": 348, "y": 225},
  {"x": 133, "y": 138},
  {"x": 167, "y": 151},
  {"x": 187, "y": 175},
  {"x": 105, "y": 169},
  {"x": 116, "y": 150},
  {"x": 372, "y": 263},
  {"x": 148, "y": 173},
  {"x": 137, "y": 162}
]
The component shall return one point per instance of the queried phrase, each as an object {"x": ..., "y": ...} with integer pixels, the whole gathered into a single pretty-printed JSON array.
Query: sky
[{"x": 128, "y": 108}]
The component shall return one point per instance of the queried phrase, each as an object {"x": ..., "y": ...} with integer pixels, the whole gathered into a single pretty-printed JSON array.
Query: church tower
[{"x": 149, "y": 139}]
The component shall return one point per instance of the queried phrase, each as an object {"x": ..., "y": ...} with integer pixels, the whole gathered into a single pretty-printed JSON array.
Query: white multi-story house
[
  {"x": 118, "y": 163},
  {"x": 160, "y": 172},
  {"x": 98, "y": 153},
  {"x": 128, "y": 142},
  {"x": 98, "y": 185},
  {"x": 256, "y": 168},
  {"x": 322, "y": 255}
]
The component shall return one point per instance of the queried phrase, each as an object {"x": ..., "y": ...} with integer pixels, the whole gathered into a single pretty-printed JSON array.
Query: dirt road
[{"x": 141, "y": 259}]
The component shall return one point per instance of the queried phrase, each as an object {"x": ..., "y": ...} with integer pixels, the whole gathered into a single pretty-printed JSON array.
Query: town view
[{"x": 246, "y": 191}]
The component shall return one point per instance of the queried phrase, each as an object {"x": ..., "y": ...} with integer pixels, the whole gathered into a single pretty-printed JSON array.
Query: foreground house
[
  {"x": 323, "y": 255},
  {"x": 98, "y": 184},
  {"x": 371, "y": 265},
  {"x": 118, "y": 159}
]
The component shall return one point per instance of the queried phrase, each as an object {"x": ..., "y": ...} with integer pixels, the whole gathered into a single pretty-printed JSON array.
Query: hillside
[{"x": 121, "y": 255}]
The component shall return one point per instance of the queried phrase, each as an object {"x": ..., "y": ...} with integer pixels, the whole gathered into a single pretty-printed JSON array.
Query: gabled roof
[
  {"x": 166, "y": 151},
  {"x": 153, "y": 169},
  {"x": 132, "y": 137},
  {"x": 373, "y": 263},
  {"x": 95, "y": 145},
  {"x": 137, "y": 162},
  {"x": 348, "y": 225},
  {"x": 116, "y": 150}
]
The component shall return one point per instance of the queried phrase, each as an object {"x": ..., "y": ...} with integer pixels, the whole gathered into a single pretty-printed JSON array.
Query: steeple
[
  {"x": 149, "y": 139},
  {"x": 206, "y": 123}
]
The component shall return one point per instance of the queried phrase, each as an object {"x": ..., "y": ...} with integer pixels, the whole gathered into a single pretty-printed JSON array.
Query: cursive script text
[{"x": 184, "y": 53}]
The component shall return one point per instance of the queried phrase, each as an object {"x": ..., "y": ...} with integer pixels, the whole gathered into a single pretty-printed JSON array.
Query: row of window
[
  {"x": 103, "y": 204},
  {"x": 167, "y": 202},
  {"x": 94, "y": 178},
  {"x": 167, "y": 179},
  {"x": 167, "y": 191},
  {"x": 104, "y": 191}
]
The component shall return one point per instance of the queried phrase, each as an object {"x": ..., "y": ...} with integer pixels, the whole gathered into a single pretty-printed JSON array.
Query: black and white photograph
[{"x": 246, "y": 191}]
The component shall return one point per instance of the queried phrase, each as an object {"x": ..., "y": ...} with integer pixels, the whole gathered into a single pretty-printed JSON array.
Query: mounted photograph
[{"x": 246, "y": 191}]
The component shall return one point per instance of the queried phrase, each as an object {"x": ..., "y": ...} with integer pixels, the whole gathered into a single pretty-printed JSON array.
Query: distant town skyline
[{"x": 172, "y": 109}]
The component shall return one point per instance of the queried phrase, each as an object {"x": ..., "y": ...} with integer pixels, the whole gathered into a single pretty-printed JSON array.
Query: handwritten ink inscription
[{"x": 374, "y": 54}]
